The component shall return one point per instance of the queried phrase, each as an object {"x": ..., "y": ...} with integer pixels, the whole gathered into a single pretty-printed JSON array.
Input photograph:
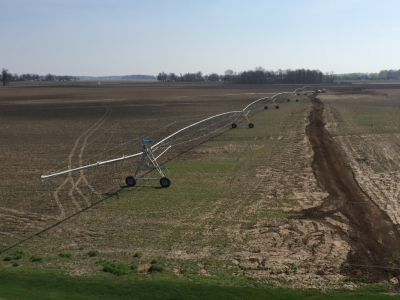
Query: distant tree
[
  {"x": 374, "y": 76},
  {"x": 192, "y": 77},
  {"x": 199, "y": 76},
  {"x": 172, "y": 77},
  {"x": 50, "y": 77},
  {"x": 162, "y": 76},
  {"x": 29, "y": 76},
  {"x": 213, "y": 77},
  {"x": 390, "y": 74},
  {"x": 354, "y": 76},
  {"x": 228, "y": 76},
  {"x": 393, "y": 74},
  {"x": 260, "y": 75},
  {"x": 382, "y": 74},
  {"x": 5, "y": 76}
]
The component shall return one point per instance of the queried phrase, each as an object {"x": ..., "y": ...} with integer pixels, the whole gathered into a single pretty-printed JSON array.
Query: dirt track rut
[{"x": 374, "y": 238}]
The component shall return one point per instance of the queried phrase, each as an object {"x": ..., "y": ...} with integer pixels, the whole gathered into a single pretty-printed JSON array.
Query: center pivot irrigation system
[
  {"x": 264, "y": 102},
  {"x": 164, "y": 142}
]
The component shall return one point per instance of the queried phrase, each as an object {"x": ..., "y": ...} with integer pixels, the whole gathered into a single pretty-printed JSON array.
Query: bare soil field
[
  {"x": 307, "y": 198},
  {"x": 48, "y": 125}
]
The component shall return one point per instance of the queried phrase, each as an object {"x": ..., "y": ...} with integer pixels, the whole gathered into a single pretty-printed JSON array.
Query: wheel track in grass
[
  {"x": 18, "y": 221},
  {"x": 69, "y": 178},
  {"x": 373, "y": 238},
  {"x": 81, "y": 172}
]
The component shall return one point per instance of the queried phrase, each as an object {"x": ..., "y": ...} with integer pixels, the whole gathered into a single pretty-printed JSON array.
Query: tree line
[
  {"x": 188, "y": 77},
  {"x": 6, "y": 77},
  {"x": 382, "y": 75},
  {"x": 390, "y": 74},
  {"x": 258, "y": 75},
  {"x": 138, "y": 77}
]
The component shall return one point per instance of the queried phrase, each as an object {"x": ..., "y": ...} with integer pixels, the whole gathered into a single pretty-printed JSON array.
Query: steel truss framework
[{"x": 266, "y": 101}]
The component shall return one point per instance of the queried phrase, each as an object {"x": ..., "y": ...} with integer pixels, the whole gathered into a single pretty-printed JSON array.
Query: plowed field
[{"x": 307, "y": 198}]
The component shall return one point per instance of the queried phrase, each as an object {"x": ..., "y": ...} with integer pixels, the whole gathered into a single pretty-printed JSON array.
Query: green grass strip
[{"x": 49, "y": 286}]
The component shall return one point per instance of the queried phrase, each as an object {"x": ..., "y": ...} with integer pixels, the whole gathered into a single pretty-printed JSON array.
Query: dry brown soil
[
  {"x": 317, "y": 199},
  {"x": 55, "y": 126}
]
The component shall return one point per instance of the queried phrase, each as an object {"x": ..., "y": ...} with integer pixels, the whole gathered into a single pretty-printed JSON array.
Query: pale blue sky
[{"x": 104, "y": 37}]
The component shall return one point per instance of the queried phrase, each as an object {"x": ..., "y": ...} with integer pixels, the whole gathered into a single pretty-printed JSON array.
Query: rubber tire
[
  {"x": 234, "y": 125},
  {"x": 288, "y": 100},
  {"x": 265, "y": 107},
  {"x": 165, "y": 182},
  {"x": 277, "y": 107},
  {"x": 297, "y": 100},
  {"x": 130, "y": 181},
  {"x": 251, "y": 125}
]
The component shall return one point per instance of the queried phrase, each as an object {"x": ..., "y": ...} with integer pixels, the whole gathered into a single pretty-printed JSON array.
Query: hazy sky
[{"x": 118, "y": 37}]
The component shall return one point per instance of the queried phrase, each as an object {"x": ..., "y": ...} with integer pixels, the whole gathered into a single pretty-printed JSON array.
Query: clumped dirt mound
[{"x": 373, "y": 237}]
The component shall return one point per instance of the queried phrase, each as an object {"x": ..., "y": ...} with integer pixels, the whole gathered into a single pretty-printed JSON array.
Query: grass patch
[
  {"x": 353, "y": 279},
  {"x": 35, "y": 258},
  {"x": 93, "y": 253},
  {"x": 116, "y": 269},
  {"x": 156, "y": 268},
  {"x": 15, "y": 255},
  {"x": 41, "y": 285},
  {"x": 66, "y": 255}
]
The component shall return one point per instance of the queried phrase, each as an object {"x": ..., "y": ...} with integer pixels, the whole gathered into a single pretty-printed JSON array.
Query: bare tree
[
  {"x": 228, "y": 75},
  {"x": 162, "y": 77},
  {"x": 199, "y": 76},
  {"x": 213, "y": 77},
  {"x": 172, "y": 77},
  {"x": 5, "y": 76}
]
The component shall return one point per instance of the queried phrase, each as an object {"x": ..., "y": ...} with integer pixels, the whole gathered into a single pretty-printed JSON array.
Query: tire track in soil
[
  {"x": 373, "y": 238},
  {"x": 81, "y": 172},
  {"x": 31, "y": 220},
  {"x": 93, "y": 128}
]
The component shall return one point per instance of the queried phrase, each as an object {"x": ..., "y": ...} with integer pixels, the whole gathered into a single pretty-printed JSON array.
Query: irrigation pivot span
[
  {"x": 265, "y": 101},
  {"x": 187, "y": 134}
]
